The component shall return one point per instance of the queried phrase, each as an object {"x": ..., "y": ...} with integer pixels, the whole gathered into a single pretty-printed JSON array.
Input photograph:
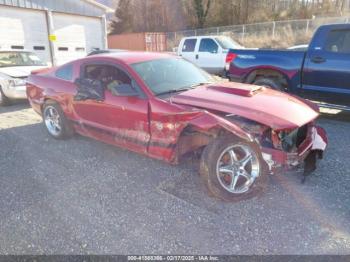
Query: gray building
[{"x": 58, "y": 31}]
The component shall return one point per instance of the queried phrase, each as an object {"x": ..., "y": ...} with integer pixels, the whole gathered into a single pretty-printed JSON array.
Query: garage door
[
  {"x": 24, "y": 29},
  {"x": 76, "y": 36}
]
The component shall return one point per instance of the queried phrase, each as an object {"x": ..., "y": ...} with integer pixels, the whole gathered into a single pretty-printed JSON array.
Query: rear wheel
[
  {"x": 4, "y": 100},
  {"x": 232, "y": 169},
  {"x": 55, "y": 121},
  {"x": 270, "y": 83}
]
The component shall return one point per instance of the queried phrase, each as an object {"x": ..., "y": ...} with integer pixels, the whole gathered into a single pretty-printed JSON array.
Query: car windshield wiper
[
  {"x": 171, "y": 91},
  {"x": 200, "y": 84}
]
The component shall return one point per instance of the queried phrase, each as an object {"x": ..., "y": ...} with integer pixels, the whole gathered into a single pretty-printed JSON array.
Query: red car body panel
[
  {"x": 154, "y": 126},
  {"x": 274, "y": 109}
]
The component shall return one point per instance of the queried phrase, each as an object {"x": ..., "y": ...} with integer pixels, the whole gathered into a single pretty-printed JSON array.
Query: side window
[
  {"x": 338, "y": 41},
  {"x": 110, "y": 77},
  {"x": 38, "y": 47},
  {"x": 17, "y": 47},
  {"x": 65, "y": 72},
  {"x": 106, "y": 74},
  {"x": 189, "y": 45},
  {"x": 208, "y": 45}
]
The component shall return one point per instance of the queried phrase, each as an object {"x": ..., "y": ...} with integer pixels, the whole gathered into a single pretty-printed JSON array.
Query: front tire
[
  {"x": 56, "y": 122},
  {"x": 232, "y": 169}
]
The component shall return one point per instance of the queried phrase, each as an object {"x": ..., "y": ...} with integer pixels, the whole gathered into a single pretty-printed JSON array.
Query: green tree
[
  {"x": 201, "y": 10},
  {"x": 123, "y": 21}
]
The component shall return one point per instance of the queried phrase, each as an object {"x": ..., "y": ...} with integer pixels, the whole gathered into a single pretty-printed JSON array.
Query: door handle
[
  {"x": 318, "y": 59},
  {"x": 197, "y": 56}
]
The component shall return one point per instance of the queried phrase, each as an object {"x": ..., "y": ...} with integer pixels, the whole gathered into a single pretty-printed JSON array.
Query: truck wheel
[
  {"x": 56, "y": 122},
  {"x": 4, "y": 101},
  {"x": 232, "y": 169},
  {"x": 270, "y": 83}
]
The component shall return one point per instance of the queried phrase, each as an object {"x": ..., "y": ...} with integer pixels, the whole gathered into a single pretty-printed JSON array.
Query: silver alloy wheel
[
  {"x": 52, "y": 120},
  {"x": 237, "y": 168}
]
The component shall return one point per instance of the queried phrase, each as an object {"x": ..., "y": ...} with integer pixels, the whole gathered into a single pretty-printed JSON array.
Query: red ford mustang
[{"x": 164, "y": 107}]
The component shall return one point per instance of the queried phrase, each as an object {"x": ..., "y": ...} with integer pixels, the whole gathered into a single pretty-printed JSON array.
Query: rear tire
[
  {"x": 4, "y": 100},
  {"x": 269, "y": 83},
  {"x": 56, "y": 122},
  {"x": 228, "y": 178}
]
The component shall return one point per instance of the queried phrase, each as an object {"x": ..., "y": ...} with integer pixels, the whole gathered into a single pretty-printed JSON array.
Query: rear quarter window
[{"x": 65, "y": 72}]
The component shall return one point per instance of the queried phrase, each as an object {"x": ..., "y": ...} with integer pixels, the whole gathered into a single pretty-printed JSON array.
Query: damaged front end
[{"x": 287, "y": 149}]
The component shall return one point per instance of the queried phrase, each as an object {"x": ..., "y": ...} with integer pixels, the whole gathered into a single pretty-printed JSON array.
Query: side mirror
[{"x": 123, "y": 90}]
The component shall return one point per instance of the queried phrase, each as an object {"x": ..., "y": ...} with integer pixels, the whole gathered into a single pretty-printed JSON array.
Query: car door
[
  {"x": 326, "y": 74},
  {"x": 209, "y": 56},
  {"x": 188, "y": 50},
  {"x": 117, "y": 119}
]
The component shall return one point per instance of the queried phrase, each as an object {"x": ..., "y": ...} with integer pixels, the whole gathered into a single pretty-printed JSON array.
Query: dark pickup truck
[{"x": 322, "y": 73}]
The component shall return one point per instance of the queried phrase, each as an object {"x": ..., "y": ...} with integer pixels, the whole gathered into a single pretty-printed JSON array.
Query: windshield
[
  {"x": 228, "y": 43},
  {"x": 171, "y": 74},
  {"x": 8, "y": 59}
]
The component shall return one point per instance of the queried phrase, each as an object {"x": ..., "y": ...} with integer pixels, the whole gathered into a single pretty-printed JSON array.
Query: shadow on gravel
[
  {"x": 17, "y": 105},
  {"x": 341, "y": 116},
  {"x": 106, "y": 183}
]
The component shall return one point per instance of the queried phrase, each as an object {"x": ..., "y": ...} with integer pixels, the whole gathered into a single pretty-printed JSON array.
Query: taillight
[{"x": 229, "y": 58}]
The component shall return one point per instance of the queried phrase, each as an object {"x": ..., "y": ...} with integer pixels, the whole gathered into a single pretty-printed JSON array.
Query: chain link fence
[{"x": 278, "y": 34}]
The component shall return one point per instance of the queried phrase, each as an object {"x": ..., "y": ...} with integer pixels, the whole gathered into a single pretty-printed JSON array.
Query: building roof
[
  {"x": 79, "y": 7},
  {"x": 102, "y": 6}
]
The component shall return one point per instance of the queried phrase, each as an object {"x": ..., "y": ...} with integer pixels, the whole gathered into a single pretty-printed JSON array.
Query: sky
[{"x": 110, "y": 3}]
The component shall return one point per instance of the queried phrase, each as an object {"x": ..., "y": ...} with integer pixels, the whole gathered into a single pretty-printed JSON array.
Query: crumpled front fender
[
  {"x": 167, "y": 129},
  {"x": 207, "y": 121}
]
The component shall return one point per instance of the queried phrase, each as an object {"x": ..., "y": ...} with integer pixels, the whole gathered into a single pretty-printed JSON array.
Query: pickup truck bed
[
  {"x": 321, "y": 73},
  {"x": 249, "y": 63}
]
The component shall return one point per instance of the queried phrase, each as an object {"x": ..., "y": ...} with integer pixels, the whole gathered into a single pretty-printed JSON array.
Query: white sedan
[{"x": 15, "y": 67}]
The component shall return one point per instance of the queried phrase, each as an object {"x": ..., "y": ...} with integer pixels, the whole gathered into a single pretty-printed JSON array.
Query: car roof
[
  {"x": 336, "y": 26},
  {"x": 204, "y": 36},
  {"x": 132, "y": 57}
]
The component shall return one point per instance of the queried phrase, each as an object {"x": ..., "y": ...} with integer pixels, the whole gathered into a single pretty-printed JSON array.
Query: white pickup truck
[
  {"x": 208, "y": 52},
  {"x": 15, "y": 67}
]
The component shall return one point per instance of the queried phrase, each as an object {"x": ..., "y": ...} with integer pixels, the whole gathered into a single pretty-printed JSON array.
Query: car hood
[
  {"x": 269, "y": 107},
  {"x": 19, "y": 71}
]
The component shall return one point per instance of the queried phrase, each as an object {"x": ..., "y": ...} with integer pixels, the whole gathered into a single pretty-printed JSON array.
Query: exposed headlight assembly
[{"x": 16, "y": 82}]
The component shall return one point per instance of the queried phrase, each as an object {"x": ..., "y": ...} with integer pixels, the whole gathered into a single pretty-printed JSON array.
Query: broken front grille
[{"x": 291, "y": 140}]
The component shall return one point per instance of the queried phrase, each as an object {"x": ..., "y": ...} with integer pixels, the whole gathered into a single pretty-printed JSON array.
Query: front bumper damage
[{"x": 306, "y": 156}]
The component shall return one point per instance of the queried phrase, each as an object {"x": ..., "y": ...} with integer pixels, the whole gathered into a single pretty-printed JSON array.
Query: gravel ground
[{"x": 81, "y": 196}]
